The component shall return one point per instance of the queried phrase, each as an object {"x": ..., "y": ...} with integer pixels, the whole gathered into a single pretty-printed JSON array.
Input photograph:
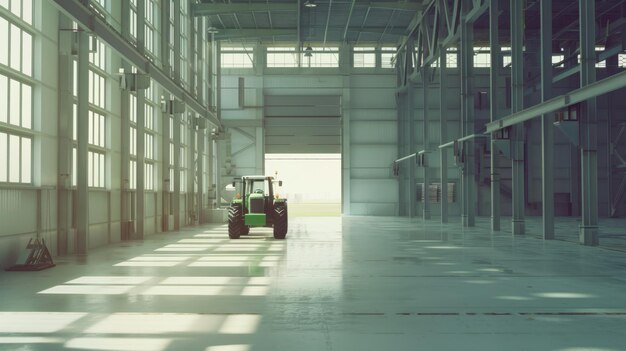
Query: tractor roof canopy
[{"x": 257, "y": 178}]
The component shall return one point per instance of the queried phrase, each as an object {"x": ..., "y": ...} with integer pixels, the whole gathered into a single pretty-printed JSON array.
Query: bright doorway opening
[{"x": 311, "y": 182}]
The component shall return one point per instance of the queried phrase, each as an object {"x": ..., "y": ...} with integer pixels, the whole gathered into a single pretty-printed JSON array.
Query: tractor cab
[{"x": 256, "y": 205}]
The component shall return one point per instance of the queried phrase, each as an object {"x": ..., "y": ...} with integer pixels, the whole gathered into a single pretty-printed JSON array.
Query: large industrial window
[
  {"x": 184, "y": 130},
  {"x": 15, "y": 158},
  {"x": 171, "y": 150},
  {"x": 172, "y": 35},
  {"x": 150, "y": 136},
  {"x": 387, "y": 56},
  {"x": 482, "y": 57},
  {"x": 95, "y": 169},
  {"x": 151, "y": 33},
  {"x": 96, "y": 139},
  {"x": 452, "y": 58},
  {"x": 20, "y": 8},
  {"x": 320, "y": 57},
  {"x": 621, "y": 60},
  {"x": 16, "y": 93},
  {"x": 282, "y": 57},
  {"x": 237, "y": 57},
  {"x": 364, "y": 57},
  {"x": 184, "y": 39},
  {"x": 97, "y": 89},
  {"x": 15, "y": 102},
  {"x": 133, "y": 19},
  {"x": 16, "y": 47}
]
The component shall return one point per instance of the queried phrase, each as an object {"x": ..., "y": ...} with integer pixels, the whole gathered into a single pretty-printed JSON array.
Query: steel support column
[
  {"x": 65, "y": 143},
  {"x": 547, "y": 136},
  {"x": 426, "y": 142},
  {"x": 400, "y": 112},
  {"x": 82, "y": 132},
  {"x": 165, "y": 171},
  {"x": 125, "y": 195},
  {"x": 410, "y": 118},
  {"x": 443, "y": 133},
  {"x": 176, "y": 195},
  {"x": 494, "y": 100},
  {"x": 191, "y": 214},
  {"x": 141, "y": 132},
  {"x": 589, "y": 127},
  {"x": 165, "y": 119},
  {"x": 468, "y": 213},
  {"x": 517, "y": 104},
  {"x": 177, "y": 118},
  {"x": 200, "y": 174}
]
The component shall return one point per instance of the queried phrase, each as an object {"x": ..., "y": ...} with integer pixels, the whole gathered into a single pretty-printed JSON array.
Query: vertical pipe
[
  {"x": 218, "y": 111},
  {"x": 589, "y": 128},
  {"x": 517, "y": 104},
  {"x": 494, "y": 71},
  {"x": 410, "y": 120},
  {"x": 141, "y": 134},
  {"x": 467, "y": 172},
  {"x": 426, "y": 142},
  {"x": 65, "y": 144},
  {"x": 443, "y": 134},
  {"x": 176, "y": 70},
  {"x": 191, "y": 213},
  {"x": 410, "y": 117},
  {"x": 547, "y": 137},
  {"x": 400, "y": 150},
  {"x": 200, "y": 175},
  {"x": 165, "y": 170},
  {"x": 176, "y": 195},
  {"x": 125, "y": 197},
  {"x": 82, "y": 132}
]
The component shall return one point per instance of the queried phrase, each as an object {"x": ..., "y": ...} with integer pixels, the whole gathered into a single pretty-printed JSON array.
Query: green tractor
[{"x": 256, "y": 206}]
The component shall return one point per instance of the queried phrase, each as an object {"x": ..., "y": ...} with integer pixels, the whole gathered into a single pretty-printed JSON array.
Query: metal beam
[
  {"x": 82, "y": 149},
  {"x": 494, "y": 100},
  {"x": 517, "y": 104},
  {"x": 468, "y": 178},
  {"x": 426, "y": 143},
  {"x": 599, "y": 88},
  {"x": 86, "y": 18},
  {"x": 399, "y": 6},
  {"x": 208, "y": 9},
  {"x": 410, "y": 115},
  {"x": 140, "y": 110},
  {"x": 547, "y": 126},
  {"x": 330, "y": 6},
  {"x": 254, "y": 33},
  {"x": 588, "y": 234},
  {"x": 443, "y": 134},
  {"x": 345, "y": 31}
]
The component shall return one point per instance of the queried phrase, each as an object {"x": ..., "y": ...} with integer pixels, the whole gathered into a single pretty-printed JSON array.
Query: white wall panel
[
  {"x": 376, "y": 132},
  {"x": 373, "y": 155},
  {"x": 18, "y": 212}
]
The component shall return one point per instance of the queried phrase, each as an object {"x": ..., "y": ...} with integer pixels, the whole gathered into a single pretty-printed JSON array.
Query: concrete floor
[{"x": 351, "y": 283}]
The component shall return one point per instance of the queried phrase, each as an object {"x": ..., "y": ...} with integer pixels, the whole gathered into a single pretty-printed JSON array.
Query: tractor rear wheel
[
  {"x": 245, "y": 230},
  {"x": 280, "y": 221},
  {"x": 235, "y": 221}
]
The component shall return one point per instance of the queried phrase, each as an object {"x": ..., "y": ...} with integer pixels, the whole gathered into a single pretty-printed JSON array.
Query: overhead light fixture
[
  {"x": 212, "y": 30},
  {"x": 308, "y": 52},
  {"x": 310, "y": 4}
]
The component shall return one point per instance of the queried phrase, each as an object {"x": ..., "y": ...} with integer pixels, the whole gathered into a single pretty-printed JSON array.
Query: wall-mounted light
[
  {"x": 310, "y": 4},
  {"x": 308, "y": 52},
  {"x": 212, "y": 30}
]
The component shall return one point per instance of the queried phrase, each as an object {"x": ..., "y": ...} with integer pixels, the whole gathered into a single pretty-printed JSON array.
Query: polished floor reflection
[{"x": 352, "y": 283}]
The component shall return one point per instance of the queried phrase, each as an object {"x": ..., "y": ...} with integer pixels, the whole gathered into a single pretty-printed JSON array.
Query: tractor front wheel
[
  {"x": 235, "y": 221},
  {"x": 280, "y": 221}
]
